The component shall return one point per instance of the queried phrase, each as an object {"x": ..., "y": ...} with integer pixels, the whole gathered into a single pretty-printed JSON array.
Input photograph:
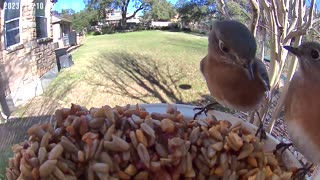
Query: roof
[{"x": 57, "y": 19}]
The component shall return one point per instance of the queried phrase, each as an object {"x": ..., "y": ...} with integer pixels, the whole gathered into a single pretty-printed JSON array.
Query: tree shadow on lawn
[
  {"x": 136, "y": 76},
  {"x": 140, "y": 77}
]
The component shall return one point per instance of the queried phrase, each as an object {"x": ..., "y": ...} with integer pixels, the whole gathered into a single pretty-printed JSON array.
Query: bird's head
[
  {"x": 308, "y": 54},
  {"x": 232, "y": 42}
]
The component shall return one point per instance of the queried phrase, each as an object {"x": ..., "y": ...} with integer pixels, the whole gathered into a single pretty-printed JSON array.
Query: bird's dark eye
[
  {"x": 314, "y": 54},
  {"x": 222, "y": 47}
]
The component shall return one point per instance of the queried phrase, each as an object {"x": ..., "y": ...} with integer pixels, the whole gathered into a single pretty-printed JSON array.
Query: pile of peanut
[{"x": 130, "y": 143}]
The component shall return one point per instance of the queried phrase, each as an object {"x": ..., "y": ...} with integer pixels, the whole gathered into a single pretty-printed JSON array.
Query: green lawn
[{"x": 165, "y": 60}]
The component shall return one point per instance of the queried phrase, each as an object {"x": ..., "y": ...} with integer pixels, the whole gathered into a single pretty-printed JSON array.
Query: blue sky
[{"x": 78, "y": 5}]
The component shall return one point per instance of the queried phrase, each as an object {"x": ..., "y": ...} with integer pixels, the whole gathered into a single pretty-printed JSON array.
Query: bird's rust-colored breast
[
  {"x": 302, "y": 111},
  {"x": 230, "y": 85}
]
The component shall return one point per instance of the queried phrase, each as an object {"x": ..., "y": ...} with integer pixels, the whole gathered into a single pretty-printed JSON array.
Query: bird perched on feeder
[
  {"x": 302, "y": 113},
  {"x": 234, "y": 76}
]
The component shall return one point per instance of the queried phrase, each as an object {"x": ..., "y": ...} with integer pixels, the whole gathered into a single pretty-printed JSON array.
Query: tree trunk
[
  {"x": 255, "y": 16},
  {"x": 123, "y": 21}
]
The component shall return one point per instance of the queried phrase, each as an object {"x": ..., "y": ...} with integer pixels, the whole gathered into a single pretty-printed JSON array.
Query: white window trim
[
  {"x": 47, "y": 15},
  {"x": 14, "y": 46},
  {"x": 49, "y": 5}
]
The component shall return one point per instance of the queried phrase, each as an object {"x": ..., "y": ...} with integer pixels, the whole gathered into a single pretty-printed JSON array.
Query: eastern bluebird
[
  {"x": 234, "y": 76},
  {"x": 302, "y": 113}
]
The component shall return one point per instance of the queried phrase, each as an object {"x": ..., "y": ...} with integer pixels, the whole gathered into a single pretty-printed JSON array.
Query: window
[
  {"x": 12, "y": 22},
  {"x": 41, "y": 19}
]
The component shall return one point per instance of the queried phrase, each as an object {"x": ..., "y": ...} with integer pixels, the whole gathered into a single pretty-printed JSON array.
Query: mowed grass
[{"x": 89, "y": 81}]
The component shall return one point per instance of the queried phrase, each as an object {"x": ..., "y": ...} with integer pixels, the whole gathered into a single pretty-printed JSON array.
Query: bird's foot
[
  {"x": 261, "y": 130},
  {"x": 301, "y": 173},
  {"x": 204, "y": 109},
  {"x": 282, "y": 146}
]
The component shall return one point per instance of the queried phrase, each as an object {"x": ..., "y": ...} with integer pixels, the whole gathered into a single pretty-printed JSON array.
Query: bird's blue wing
[{"x": 263, "y": 73}]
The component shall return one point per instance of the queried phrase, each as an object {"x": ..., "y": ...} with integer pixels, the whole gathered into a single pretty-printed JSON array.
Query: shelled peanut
[{"x": 131, "y": 143}]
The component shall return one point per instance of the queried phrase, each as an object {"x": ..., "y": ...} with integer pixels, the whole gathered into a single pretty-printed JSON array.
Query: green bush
[
  {"x": 165, "y": 28},
  {"x": 140, "y": 27},
  {"x": 95, "y": 33},
  {"x": 107, "y": 30},
  {"x": 185, "y": 29},
  {"x": 175, "y": 26}
]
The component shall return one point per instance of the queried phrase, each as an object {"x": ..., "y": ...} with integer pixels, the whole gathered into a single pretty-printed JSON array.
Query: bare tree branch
[
  {"x": 267, "y": 28},
  {"x": 315, "y": 21},
  {"x": 294, "y": 17},
  {"x": 223, "y": 9},
  {"x": 276, "y": 13},
  {"x": 136, "y": 11},
  {"x": 255, "y": 17},
  {"x": 316, "y": 31},
  {"x": 306, "y": 26}
]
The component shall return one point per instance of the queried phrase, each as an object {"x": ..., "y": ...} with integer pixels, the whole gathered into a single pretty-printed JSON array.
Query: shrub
[
  {"x": 107, "y": 30},
  {"x": 165, "y": 28},
  {"x": 95, "y": 33},
  {"x": 175, "y": 27},
  {"x": 140, "y": 27},
  {"x": 186, "y": 29}
]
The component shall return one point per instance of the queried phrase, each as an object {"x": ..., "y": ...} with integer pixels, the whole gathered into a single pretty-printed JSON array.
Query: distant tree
[
  {"x": 195, "y": 10},
  {"x": 67, "y": 13},
  {"x": 239, "y": 10},
  {"x": 160, "y": 10},
  {"x": 121, "y": 5},
  {"x": 84, "y": 19}
]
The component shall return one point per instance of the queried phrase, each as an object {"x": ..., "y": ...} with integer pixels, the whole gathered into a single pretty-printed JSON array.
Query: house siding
[
  {"x": 25, "y": 64},
  {"x": 56, "y": 32}
]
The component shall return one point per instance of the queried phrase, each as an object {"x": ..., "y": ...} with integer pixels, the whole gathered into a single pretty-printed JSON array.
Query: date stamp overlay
[{"x": 16, "y": 6}]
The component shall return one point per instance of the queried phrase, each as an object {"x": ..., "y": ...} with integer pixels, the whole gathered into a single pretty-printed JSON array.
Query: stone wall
[
  {"x": 25, "y": 63},
  {"x": 45, "y": 57}
]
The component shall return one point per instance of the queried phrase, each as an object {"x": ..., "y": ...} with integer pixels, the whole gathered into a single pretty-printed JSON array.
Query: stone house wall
[{"x": 24, "y": 64}]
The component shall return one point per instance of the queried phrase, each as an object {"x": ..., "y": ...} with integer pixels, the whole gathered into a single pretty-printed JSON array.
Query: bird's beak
[
  {"x": 293, "y": 50},
  {"x": 250, "y": 71}
]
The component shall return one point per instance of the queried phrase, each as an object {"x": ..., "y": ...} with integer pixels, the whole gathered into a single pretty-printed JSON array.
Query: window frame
[
  {"x": 47, "y": 33},
  {"x": 13, "y": 46},
  {"x": 46, "y": 14}
]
